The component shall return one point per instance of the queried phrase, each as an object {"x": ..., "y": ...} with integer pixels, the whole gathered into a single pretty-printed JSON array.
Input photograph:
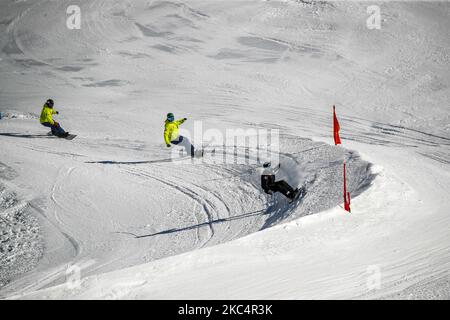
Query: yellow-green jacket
[
  {"x": 47, "y": 115},
  {"x": 171, "y": 130}
]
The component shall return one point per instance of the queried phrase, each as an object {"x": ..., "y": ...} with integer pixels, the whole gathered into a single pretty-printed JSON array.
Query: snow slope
[{"x": 141, "y": 227}]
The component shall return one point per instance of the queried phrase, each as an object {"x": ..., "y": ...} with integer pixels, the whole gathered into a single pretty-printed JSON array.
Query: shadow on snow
[
  {"x": 273, "y": 211},
  {"x": 131, "y": 162},
  {"x": 28, "y": 136}
]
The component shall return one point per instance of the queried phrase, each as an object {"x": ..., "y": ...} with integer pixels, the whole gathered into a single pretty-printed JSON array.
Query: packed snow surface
[{"x": 111, "y": 207}]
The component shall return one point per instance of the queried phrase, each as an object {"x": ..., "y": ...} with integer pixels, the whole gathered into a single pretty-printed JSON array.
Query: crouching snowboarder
[
  {"x": 270, "y": 186},
  {"x": 172, "y": 136},
  {"x": 47, "y": 120}
]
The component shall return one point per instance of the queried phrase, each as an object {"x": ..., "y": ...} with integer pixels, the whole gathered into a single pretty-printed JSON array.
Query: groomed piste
[{"x": 112, "y": 206}]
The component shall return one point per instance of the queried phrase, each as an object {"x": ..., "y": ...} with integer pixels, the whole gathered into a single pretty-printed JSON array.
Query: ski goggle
[{"x": 170, "y": 118}]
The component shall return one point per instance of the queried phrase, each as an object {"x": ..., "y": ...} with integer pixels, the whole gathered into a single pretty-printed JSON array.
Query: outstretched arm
[{"x": 181, "y": 121}]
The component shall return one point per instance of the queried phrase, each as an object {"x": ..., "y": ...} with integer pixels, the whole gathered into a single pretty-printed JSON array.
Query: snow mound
[{"x": 18, "y": 115}]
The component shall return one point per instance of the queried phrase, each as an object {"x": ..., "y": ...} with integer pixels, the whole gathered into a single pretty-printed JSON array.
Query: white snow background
[{"x": 109, "y": 205}]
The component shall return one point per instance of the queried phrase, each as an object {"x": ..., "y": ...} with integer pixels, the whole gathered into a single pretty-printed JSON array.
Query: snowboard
[
  {"x": 70, "y": 137},
  {"x": 201, "y": 153},
  {"x": 299, "y": 193}
]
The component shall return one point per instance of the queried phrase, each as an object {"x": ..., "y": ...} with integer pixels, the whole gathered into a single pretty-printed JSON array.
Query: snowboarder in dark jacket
[{"x": 270, "y": 186}]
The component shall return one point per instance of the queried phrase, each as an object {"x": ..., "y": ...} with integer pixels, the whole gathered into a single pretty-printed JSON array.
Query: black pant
[
  {"x": 268, "y": 184},
  {"x": 56, "y": 128}
]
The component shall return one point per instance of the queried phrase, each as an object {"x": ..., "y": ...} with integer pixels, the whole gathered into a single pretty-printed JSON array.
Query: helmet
[
  {"x": 50, "y": 103},
  {"x": 267, "y": 165},
  {"x": 170, "y": 117}
]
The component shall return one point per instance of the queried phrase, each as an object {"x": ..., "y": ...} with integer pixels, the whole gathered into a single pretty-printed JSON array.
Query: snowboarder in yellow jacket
[
  {"x": 47, "y": 119},
  {"x": 172, "y": 135}
]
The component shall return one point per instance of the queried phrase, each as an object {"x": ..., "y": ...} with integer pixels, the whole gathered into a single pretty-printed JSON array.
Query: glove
[
  {"x": 168, "y": 145},
  {"x": 184, "y": 119},
  {"x": 56, "y": 123},
  {"x": 57, "y": 112}
]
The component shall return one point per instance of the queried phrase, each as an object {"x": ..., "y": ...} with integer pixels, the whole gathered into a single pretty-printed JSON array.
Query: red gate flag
[
  {"x": 346, "y": 194},
  {"x": 337, "y": 127}
]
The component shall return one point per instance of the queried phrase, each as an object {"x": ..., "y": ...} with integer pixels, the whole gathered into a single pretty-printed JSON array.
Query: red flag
[
  {"x": 337, "y": 127},
  {"x": 346, "y": 194}
]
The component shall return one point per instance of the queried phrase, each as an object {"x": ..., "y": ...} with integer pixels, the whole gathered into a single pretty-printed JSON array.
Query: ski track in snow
[
  {"x": 60, "y": 207},
  {"x": 213, "y": 205},
  {"x": 188, "y": 191}
]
